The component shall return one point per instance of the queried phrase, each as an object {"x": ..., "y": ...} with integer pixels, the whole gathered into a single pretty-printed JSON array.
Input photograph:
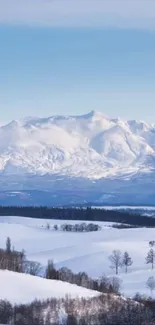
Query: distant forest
[{"x": 82, "y": 214}]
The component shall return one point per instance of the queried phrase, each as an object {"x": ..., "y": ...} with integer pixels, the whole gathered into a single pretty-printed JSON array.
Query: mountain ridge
[{"x": 93, "y": 146}]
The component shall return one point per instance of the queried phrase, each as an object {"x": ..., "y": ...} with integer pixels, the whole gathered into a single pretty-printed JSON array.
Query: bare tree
[
  {"x": 127, "y": 261},
  {"x": 51, "y": 272},
  {"x": 66, "y": 275},
  {"x": 33, "y": 268},
  {"x": 116, "y": 284},
  {"x": 104, "y": 284},
  {"x": 151, "y": 284},
  {"x": 152, "y": 243},
  {"x": 150, "y": 258},
  {"x": 116, "y": 260},
  {"x": 8, "y": 245},
  {"x": 48, "y": 226}
]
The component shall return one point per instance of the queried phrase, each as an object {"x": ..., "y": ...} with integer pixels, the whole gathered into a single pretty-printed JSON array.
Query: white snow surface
[
  {"x": 24, "y": 288},
  {"x": 87, "y": 252},
  {"x": 91, "y": 145},
  {"x": 125, "y": 207}
]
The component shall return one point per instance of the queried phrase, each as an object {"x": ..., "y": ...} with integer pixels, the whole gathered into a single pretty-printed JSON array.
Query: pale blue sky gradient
[{"x": 47, "y": 70}]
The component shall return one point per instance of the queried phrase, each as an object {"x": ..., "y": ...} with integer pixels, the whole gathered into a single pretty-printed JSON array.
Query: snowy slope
[
  {"x": 24, "y": 288},
  {"x": 87, "y": 252},
  {"x": 91, "y": 145}
]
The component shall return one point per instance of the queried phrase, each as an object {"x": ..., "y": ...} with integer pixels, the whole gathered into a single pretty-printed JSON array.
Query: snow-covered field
[
  {"x": 82, "y": 251},
  {"x": 125, "y": 207},
  {"x": 24, "y": 288}
]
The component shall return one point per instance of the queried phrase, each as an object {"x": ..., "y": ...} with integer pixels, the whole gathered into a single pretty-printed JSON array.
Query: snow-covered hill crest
[{"x": 91, "y": 145}]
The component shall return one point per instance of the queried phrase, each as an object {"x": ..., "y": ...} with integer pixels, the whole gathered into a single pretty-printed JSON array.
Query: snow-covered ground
[
  {"x": 125, "y": 207},
  {"x": 82, "y": 251},
  {"x": 24, "y": 288}
]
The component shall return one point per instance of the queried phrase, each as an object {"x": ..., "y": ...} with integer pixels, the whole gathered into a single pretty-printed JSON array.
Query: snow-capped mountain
[{"x": 91, "y": 146}]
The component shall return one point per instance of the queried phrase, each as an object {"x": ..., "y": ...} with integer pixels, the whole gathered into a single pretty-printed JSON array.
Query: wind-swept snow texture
[
  {"x": 91, "y": 146},
  {"x": 87, "y": 252}
]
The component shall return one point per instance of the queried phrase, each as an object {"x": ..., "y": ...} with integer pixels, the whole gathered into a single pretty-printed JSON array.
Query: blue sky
[{"x": 73, "y": 66}]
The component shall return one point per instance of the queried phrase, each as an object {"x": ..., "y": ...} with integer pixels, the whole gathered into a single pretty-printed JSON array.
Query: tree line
[
  {"x": 12, "y": 260},
  {"x": 78, "y": 227},
  {"x": 82, "y": 214},
  {"x": 102, "y": 310}
]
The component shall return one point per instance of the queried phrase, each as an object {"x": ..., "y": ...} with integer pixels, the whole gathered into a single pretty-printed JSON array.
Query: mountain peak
[
  {"x": 94, "y": 114},
  {"x": 75, "y": 145}
]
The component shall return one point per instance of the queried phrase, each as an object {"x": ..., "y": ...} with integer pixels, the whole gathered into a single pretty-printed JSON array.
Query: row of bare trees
[
  {"x": 78, "y": 227},
  {"x": 119, "y": 260},
  {"x": 104, "y": 284}
]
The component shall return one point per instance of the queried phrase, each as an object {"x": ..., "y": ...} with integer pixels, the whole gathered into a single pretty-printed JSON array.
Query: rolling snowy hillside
[
  {"x": 91, "y": 145},
  {"x": 79, "y": 252},
  {"x": 23, "y": 288}
]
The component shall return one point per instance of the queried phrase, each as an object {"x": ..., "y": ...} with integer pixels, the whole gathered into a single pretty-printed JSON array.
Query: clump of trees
[
  {"x": 151, "y": 284},
  {"x": 118, "y": 260},
  {"x": 104, "y": 284},
  {"x": 80, "y": 227},
  {"x": 13, "y": 260}
]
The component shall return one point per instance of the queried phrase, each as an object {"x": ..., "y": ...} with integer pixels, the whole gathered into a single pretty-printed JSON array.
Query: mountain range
[{"x": 92, "y": 149}]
